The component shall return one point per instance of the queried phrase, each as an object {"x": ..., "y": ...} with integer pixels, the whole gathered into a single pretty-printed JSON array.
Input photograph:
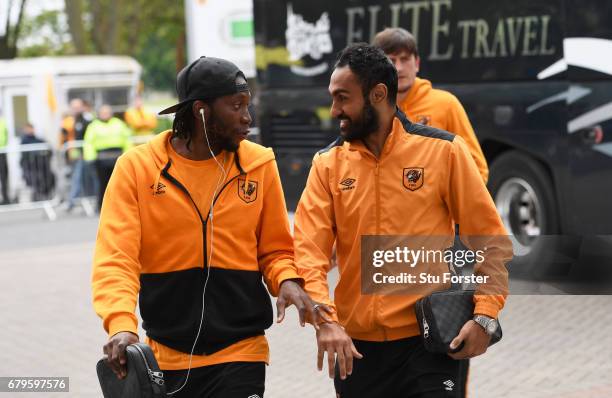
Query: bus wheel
[{"x": 525, "y": 200}]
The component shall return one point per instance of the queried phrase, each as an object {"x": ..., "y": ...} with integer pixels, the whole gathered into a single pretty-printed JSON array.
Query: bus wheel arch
[{"x": 523, "y": 190}]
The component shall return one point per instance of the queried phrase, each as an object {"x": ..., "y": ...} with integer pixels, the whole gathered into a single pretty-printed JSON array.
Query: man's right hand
[
  {"x": 114, "y": 352},
  {"x": 332, "y": 338}
]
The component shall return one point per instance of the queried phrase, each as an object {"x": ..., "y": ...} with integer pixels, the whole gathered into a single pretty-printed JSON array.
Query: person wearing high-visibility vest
[
  {"x": 3, "y": 162},
  {"x": 141, "y": 121},
  {"x": 105, "y": 140}
]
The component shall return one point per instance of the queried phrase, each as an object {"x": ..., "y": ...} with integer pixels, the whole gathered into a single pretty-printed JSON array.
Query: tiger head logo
[
  {"x": 413, "y": 178},
  {"x": 247, "y": 191}
]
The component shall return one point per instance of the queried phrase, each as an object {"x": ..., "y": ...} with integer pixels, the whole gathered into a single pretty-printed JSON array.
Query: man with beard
[
  {"x": 387, "y": 176},
  {"x": 191, "y": 222},
  {"x": 422, "y": 103}
]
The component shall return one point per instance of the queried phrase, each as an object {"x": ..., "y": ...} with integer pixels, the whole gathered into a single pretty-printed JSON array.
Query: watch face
[{"x": 492, "y": 326}]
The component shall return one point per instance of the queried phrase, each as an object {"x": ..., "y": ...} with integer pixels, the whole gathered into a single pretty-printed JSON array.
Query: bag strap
[{"x": 457, "y": 245}]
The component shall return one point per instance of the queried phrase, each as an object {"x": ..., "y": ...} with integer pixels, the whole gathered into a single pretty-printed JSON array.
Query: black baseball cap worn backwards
[{"x": 207, "y": 78}]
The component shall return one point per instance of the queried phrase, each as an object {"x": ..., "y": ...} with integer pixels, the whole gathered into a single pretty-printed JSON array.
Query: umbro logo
[
  {"x": 347, "y": 184},
  {"x": 160, "y": 188},
  {"x": 449, "y": 385}
]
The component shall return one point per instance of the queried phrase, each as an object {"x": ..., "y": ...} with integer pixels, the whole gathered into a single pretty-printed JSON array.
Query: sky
[{"x": 33, "y": 7}]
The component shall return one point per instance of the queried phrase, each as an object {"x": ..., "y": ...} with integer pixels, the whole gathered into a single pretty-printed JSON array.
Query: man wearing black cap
[{"x": 190, "y": 224}]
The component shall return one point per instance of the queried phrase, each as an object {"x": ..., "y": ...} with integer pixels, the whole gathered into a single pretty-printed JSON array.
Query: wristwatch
[{"x": 489, "y": 324}]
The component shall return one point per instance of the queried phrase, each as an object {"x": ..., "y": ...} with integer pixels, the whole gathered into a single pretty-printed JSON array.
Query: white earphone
[{"x": 210, "y": 256}]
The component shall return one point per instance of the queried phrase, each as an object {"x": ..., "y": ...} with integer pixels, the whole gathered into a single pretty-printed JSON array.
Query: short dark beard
[
  {"x": 366, "y": 125},
  {"x": 219, "y": 141}
]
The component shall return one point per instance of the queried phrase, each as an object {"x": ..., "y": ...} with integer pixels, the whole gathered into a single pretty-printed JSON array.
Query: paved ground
[{"x": 553, "y": 346}]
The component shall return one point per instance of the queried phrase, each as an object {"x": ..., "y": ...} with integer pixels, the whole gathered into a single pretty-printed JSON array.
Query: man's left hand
[
  {"x": 475, "y": 340},
  {"x": 291, "y": 293}
]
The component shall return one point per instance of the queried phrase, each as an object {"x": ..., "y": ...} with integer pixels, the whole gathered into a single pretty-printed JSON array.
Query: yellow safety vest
[
  {"x": 105, "y": 135},
  {"x": 3, "y": 133}
]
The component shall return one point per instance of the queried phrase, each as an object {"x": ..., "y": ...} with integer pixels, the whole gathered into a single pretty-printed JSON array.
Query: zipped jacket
[
  {"x": 442, "y": 110},
  {"x": 350, "y": 193},
  {"x": 153, "y": 244}
]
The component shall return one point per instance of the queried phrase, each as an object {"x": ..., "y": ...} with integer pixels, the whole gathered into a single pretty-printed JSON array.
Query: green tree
[
  {"x": 45, "y": 34},
  {"x": 152, "y": 31},
  {"x": 159, "y": 31},
  {"x": 12, "y": 29}
]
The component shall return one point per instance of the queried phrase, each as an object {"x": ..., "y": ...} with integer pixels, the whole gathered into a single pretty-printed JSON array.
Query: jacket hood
[
  {"x": 249, "y": 155},
  {"x": 419, "y": 89}
]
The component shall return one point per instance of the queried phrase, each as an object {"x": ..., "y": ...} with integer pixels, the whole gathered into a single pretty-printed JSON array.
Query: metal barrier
[
  {"x": 40, "y": 177},
  {"x": 31, "y": 178}
]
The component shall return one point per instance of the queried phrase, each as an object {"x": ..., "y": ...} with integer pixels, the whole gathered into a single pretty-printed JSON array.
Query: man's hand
[
  {"x": 291, "y": 293},
  {"x": 475, "y": 340},
  {"x": 332, "y": 338},
  {"x": 114, "y": 352}
]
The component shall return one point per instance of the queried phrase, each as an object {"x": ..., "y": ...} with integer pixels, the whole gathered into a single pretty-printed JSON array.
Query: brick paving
[{"x": 553, "y": 346}]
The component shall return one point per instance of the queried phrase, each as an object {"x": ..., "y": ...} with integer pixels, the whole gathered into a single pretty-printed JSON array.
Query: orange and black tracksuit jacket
[
  {"x": 351, "y": 193},
  {"x": 442, "y": 110},
  {"x": 153, "y": 244}
]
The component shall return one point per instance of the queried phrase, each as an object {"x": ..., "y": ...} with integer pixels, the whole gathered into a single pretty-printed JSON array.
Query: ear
[
  {"x": 378, "y": 93},
  {"x": 417, "y": 63},
  {"x": 197, "y": 107}
]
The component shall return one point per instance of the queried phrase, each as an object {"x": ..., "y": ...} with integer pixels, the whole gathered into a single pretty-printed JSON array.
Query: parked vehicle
[
  {"x": 38, "y": 91},
  {"x": 535, "y": 77}
]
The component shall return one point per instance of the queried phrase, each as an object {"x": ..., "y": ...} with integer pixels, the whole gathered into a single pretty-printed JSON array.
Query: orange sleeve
[
  {"x": 480, "y": 228},
  {"x": 315, "y": 234},
  {"x": 116, "y": 266},
  {"x": 275, "y": 245},
  {"x": 459, "y": 124}
]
